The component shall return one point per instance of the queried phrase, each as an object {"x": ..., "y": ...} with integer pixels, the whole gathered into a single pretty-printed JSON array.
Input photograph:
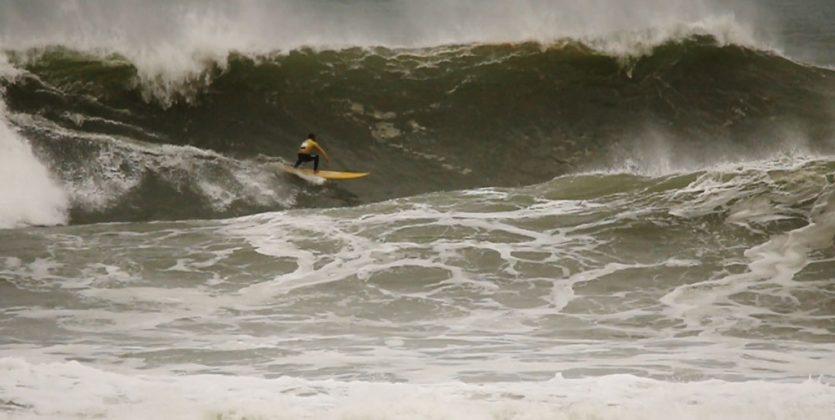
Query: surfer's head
[{"x": 311, "y": 136}]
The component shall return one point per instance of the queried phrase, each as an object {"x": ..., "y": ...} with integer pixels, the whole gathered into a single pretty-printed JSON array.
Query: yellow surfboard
[{"x": 333, "y": 175}]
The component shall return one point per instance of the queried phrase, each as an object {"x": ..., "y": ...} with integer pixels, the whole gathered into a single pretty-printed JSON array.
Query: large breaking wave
[{"x": 196, "y": 132}]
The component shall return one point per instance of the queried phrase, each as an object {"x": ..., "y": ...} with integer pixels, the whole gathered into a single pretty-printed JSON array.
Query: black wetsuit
[{"x": 308, "y": 158}]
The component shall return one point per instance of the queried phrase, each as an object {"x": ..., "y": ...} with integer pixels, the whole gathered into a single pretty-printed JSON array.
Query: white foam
[
  {"x": 28, "y": 193},
  {"x": 72, "y": 390},
  {"x": 497, "y": 283},
  {"x": 7, "y": 70},
  {"x": 771, "y": 265}
]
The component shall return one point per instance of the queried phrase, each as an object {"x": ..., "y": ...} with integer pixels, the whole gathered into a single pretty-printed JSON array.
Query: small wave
[{"x": 144, "y": 176}]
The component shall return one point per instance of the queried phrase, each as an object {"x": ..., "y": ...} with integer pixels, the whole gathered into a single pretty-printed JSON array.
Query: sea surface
[{"x": 590, "y": 209}]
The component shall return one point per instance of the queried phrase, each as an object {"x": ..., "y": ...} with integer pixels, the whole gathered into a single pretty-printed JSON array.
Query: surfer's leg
[
  {"x": 315, "y": 163},
  {"x": 302, "y": 158}
]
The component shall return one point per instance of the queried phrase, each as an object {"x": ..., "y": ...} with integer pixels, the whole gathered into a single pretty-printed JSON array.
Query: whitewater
[{"x": 576, "y": 209}]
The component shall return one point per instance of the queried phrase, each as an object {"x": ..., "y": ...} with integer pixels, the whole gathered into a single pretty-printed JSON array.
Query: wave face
[{"x": 420, "y": 120}]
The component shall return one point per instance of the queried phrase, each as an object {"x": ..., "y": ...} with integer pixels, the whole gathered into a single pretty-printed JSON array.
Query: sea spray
[{"x": 29, "y": 195}]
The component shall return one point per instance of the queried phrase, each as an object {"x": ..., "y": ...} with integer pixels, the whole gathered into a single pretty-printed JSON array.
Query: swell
[{"x": 420, "y": 120}]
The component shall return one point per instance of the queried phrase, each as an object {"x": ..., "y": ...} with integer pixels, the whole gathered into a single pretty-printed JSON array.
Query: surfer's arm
[{"x": 324, "y": 153}]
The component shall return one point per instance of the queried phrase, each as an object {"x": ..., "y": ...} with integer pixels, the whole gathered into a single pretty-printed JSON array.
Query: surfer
[{"x": 307, "y": 152}]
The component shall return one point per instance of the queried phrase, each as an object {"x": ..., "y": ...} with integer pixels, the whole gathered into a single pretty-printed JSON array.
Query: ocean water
[{"x": 576, "y": 210}]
